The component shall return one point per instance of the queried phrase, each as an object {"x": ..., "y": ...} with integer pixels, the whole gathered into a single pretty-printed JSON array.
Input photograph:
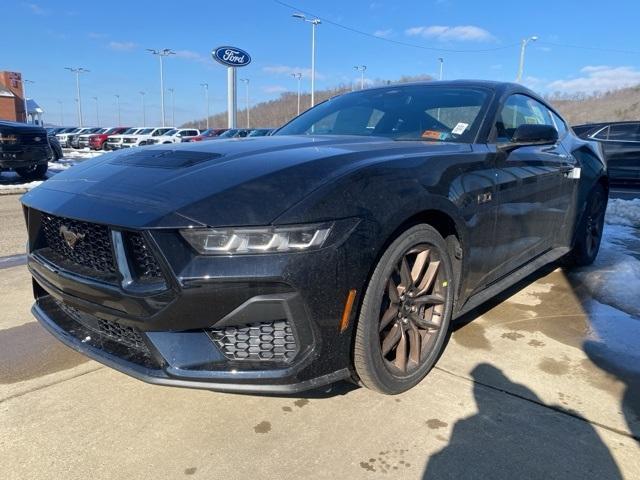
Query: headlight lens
[
  {"x": 233, "y": 241},
  {"x": 8, "y": 139}
]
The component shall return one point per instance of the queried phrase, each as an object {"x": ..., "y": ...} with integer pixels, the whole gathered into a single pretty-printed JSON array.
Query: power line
[{"x": 390, "y": 40}]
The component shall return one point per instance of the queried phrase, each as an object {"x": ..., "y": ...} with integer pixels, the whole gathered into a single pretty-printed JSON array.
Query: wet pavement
[{"x": 544, "y": 382}]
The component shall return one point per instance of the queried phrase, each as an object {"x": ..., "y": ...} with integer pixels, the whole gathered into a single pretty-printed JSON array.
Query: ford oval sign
[{"x": 231, "y": 56}]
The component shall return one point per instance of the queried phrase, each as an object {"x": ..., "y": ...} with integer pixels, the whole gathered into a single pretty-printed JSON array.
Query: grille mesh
[
  {"x": 92, "y": 251},
  {"x": 271, "y": 341},
  {"x": 144, "y": 262}
]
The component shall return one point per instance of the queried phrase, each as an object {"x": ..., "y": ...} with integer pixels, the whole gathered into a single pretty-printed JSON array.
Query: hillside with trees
[{"x": 623, "y": 104}]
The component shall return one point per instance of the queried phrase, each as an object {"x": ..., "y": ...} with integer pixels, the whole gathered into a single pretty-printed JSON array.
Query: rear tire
[
  {"x": 35, "y": 172},
  {"x": 589, "y": 232},
  {"x": 406, "y": 311}
]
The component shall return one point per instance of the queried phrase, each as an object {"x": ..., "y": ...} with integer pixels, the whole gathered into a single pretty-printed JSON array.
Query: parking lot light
[
  {"x": 165, "y": 52},
  {"x": 361, "y": 69},
  {"x": 144, "y": 113},
  {"x": 173, "y": 107},
  {"x": 97, "y": 112},
  {"x": 314, "y": 23},
  {"x": 206, "y": 99},
  {"x": 118, "y": 107},
  {"x": 523, "y": 47},
  {"x": 441, "y": 60},
  {"x": 77, "y": 71},
  {"x": 298, "y": 76},
  {"x": 24, "y": 93},
  {"x": 246, "y": 84}
]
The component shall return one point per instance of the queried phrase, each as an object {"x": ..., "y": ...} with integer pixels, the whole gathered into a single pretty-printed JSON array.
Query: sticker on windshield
[
  {"x": 433, "y": 135},
  {"x": 460, "y": 128}
]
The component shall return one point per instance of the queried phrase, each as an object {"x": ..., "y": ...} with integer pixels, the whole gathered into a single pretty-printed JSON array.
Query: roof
[
  {"x": 33, "y": 107},
  {"x": 4, "y": 92}
]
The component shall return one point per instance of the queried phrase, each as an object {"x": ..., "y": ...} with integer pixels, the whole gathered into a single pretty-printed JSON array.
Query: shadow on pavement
[{"x": 510, "y": 439}]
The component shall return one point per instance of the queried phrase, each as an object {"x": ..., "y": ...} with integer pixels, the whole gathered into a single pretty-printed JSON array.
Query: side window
[
  {"x": 560, "y": 125},
  {"x": 520, "y": 110},
  {"x": 627, "y": 131},
  {"x": 602, "y": 134}
]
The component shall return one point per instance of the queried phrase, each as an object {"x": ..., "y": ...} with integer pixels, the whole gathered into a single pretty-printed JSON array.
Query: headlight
[
  {"x": 8, "y": 139},
  {"x": 232, "y": 241}
]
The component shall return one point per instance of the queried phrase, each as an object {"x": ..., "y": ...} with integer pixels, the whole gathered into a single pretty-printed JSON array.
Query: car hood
[{"x": 238, "y": 182}]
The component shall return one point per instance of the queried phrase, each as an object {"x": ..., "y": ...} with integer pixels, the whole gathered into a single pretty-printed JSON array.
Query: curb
[{"x": 14, "y": 191}]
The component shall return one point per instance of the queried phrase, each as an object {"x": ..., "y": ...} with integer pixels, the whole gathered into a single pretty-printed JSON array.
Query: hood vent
[{"x": 169, "y": 159}]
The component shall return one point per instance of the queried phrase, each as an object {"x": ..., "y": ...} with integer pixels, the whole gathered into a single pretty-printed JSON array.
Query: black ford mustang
[{"x": 340, "y": 247}]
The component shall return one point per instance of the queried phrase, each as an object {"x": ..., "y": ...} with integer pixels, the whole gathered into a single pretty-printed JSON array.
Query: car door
[
  {"x": 621, "y": 147},
  {"x": 533, "y": 193}
]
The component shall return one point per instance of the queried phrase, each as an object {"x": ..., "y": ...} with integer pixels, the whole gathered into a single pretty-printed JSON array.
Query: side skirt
[{"x": 511, "y": 279}]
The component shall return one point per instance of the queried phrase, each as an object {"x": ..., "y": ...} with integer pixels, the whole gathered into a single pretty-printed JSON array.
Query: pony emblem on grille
[{"x": 71, "y": 238}]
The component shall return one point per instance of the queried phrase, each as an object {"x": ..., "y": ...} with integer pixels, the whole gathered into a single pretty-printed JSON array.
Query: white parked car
[
  {"x": 143, "y": 136},
  {"x": 175, "y": 135},
  {"x": 115, "y": 142}
]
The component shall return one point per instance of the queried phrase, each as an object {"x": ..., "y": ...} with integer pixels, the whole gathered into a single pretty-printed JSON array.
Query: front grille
[
  {"x": 92, "y": 249},
  {"x": 129, "y": 336},
  {"x": 264, "y": 341},
  {"x": 30, "y": 139},
  {"x": 129, "y": 140},
  {"x": 145, "y": 265}
]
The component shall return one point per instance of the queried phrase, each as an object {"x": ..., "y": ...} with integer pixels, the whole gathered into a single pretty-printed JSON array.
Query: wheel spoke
[
  {"x": 418, "y": 266},
  {"x": 392, "y": 291},
  {"x": 405, "y": 275},
  {"x": 401, "y": 352},
  {"x": 429, "y": 300},
  {"x": 415, "y": 343},
  {"x": 429, "y": 277},
  {"x": 388, "y": 316},
  {"x": 392, "y": 338},
  {"x": 421, "y": 322}
]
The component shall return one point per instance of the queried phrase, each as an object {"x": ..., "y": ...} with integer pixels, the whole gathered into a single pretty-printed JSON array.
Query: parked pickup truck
[{"x": 24, "y": 149}]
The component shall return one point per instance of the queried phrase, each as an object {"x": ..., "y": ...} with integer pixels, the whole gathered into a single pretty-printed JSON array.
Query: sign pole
[{"x": 232, "y": 98}]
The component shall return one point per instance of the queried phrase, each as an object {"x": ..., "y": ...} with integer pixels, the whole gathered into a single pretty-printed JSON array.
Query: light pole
[
  {"x": 206, "y": 99},
  {"x": 144, "y": 113},
  {"x": 97, "y": 112},
  {"x": 78, "y": 71},
  {"x": 173, "y": 107},
  {"x": 246, "y": 84},
  {"x": 361, "y": 69},
  {"x": 118, "y": 107},
  {"x": 61, "y": 113},
  {"x": 298, "y": 76},
  {"x": 165, "y": 52},
  {"x": 314, "y": 23},
  {"x": 523, "y": 47},
  {"x": 24, "y": 93},
  {"x": 441, "y": 60}
]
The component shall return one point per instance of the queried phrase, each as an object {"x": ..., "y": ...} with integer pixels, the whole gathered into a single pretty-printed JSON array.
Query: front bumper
[
  {"x": 24, "y": 156},
  {"x": 178, "y": 324}
]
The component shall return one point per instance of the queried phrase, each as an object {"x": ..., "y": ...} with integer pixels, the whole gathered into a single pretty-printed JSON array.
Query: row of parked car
[{"x": 114, "y": 138}]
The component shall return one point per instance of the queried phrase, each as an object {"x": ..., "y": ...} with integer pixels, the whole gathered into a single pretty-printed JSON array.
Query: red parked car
[
  {"x": 208, "y": 134},
  {"x": 96, "y": 142}
]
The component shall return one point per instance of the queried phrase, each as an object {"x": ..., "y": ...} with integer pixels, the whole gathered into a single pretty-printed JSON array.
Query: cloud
[
  {"x": 274, "y": 89},
  {"x": 287, "y": 70},
  {"x": 96, "y": 35},
  {"x": 598, "y": 78},
  {"x": 383, "y": 33},
  {"x": 35, "y": 9},
  {"x": 193, "y": 56},
  {"x": 122, "y": 46},
  {"x": 466, "y": 33}
]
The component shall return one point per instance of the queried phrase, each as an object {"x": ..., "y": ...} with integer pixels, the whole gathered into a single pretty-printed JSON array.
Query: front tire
[
  {"x": 589, "y": 231},
  {"x": 406, "y": 311},
  {"x": 35, "y": 172}
]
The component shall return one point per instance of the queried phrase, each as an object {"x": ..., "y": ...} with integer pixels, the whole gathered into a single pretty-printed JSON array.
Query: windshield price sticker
[{"x": 460, "y": 128}]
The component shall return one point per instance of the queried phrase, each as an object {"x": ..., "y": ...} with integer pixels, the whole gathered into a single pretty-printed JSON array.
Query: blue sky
[{"x": 477, "y": 39}]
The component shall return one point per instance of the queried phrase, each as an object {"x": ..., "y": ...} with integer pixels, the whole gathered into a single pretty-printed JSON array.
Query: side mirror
[{"x": 530, "y": 135}]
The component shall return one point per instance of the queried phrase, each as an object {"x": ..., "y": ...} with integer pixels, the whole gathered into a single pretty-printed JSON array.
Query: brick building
[{"x": 11, "y": 97}]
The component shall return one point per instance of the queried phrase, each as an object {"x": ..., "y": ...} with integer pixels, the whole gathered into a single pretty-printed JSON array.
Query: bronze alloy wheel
[
  {"x": 412, "y": 308},
  {"x": 405, "y": 313}
]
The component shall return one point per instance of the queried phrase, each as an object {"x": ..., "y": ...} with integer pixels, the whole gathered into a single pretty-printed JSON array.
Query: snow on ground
[
  {"x": 11, "y": 181},
  {"x": 614, "y": 278}
]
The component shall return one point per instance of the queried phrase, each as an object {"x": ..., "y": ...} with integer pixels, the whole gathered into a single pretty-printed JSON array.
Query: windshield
[
  {"x": 229, "y": 133},
  {"x": 130, "y": 131},
  {"x": 111, "y": 131},
  {"x": 160, "y": 131},
  {"x": 261, "y": 132},
  {"x": 145, "y": 131},
  {"x": 409, "y": 112},
  {"x": 171, "y": 132}
]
